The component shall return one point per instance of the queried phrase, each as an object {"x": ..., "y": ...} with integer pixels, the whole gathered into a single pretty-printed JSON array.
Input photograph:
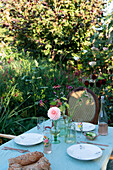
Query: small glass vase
[
  {"x": 62, "y": 125},
  {"x": 70, "y": 136},
  {"x": 55, "y": 131}
]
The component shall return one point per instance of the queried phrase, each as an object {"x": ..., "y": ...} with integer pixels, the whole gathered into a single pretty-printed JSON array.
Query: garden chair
[{"x": 88, "y": 109}]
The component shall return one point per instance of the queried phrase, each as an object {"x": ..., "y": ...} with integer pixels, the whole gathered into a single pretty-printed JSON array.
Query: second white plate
[
  {"x": 28, "y": 139},
  {"x": 84, "y": 151},
  {"x": 86, "y": 126}
]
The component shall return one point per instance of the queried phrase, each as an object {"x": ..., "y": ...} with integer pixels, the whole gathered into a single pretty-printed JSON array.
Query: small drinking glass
[
  {"x": 70, "y": 136},
  {"x": 47, "y": 140},
  {"x": 62, "y": 126},
  {"x": 80, "y": 127},
  {"x": 40, "y": 121}
]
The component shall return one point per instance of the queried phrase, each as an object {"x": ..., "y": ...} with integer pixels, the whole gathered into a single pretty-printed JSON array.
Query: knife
[
  {"x": 94, "y": 143},
  {"x": 19, "y": 150},
  {"x": 100, "y": 148}
]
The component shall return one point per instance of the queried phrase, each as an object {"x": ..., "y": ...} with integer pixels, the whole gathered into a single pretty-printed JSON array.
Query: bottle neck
[
  {"x": 102, "y": 115},
  {"x": 101, "y": 108}
]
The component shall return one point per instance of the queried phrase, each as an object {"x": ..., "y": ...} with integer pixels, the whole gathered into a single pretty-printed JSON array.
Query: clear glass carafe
[{"x": 103, "y": 119}]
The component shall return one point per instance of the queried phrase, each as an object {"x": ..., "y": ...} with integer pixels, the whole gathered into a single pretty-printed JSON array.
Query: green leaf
[
  {"x": 48, "y": 46},
  {"x": 67, "y": 105},
  {"x": 110, "y": 24},
  {"x": 53, "y": 103},
  {"x": 62, "y": 108},
  {"x": 64, "y": 98}
]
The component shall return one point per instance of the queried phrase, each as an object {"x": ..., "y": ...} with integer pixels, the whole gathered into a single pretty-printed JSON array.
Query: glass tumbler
[
  {"x": 62, "y": 126},
  {"x": 70, "y": 136},
  {"x": 47, "y": 140},
  {"x": 79, "y": 124},
  {"x": 40, "y": 121}
]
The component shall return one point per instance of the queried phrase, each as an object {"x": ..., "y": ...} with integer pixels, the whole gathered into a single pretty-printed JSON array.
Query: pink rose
[{"x": 54, "y": 113}]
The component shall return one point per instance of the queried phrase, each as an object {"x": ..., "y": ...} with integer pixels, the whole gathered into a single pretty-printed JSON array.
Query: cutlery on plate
[
  {"x": 90, "y": 143},
  {"x": 19, "y": 150},
  {"x": 94, "y": 143}
]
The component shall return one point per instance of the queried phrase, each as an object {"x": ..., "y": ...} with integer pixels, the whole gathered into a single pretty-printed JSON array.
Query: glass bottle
[{"x": 103, "y": 119}]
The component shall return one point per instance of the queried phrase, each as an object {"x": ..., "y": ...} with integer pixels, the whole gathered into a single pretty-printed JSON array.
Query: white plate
[
  {"x": 28, "y": 139},
  {"x": 84, "y": 151},
  {"x": 86, "y": 126}
]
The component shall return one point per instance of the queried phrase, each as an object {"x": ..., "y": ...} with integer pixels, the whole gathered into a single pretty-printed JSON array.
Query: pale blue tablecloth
[{"x": 59, "y": 158}]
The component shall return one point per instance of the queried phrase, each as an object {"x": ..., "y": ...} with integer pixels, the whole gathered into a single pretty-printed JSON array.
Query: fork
[{"x": 19, "y": 150}]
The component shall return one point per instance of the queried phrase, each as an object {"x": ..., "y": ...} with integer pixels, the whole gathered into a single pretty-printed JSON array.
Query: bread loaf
[
  {"x": 27, "y": 158},
  {"x": 30, "y": 161}
]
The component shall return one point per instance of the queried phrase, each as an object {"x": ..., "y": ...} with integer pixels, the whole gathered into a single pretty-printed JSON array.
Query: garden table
[{"x": 59, "y": 158}]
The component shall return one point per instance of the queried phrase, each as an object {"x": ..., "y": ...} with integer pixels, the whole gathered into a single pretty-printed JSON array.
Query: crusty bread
[
  {"x": 17, "y": 164},
  {"x": 27, "y": 158}
]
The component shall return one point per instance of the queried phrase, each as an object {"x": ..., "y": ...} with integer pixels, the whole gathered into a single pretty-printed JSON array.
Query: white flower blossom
[
  {"x": 85, "y": 51},
  {"x": 36, "y": 63},
  {"x": 76, "y": 58},
  {"x": 91, "y": 81},
  {"x": 105, "y": 48},
  {"x": 3, "y": 42},
  {"x": 92, "y": 63},
  {"x": 94, "y": 48}
]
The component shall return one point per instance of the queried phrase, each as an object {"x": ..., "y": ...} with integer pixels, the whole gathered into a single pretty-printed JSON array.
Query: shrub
[{"x": 50, "y": 29}]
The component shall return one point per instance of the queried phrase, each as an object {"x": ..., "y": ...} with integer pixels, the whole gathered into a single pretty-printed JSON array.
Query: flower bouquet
[{"x": 54, "y": 114}]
